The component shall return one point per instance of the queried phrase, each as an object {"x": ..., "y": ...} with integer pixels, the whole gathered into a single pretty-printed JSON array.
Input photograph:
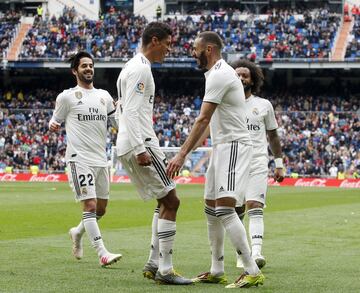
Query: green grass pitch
[{"x": 311, "y": 241}]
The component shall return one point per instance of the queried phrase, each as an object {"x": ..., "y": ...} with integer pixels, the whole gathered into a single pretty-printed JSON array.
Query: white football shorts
[
  {"x": 151, "y": 181},
  {"x": 228, "y": 171},
  {"x": 88, "y": 182},
  {"x": 257, "y": 187}
]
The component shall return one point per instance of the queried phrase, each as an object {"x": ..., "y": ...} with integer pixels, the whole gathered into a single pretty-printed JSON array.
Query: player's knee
[
  {"x": 100, "y": 211},
  {"x": 89, "y": 205},
  {"x": 174, "y": 204},
  {"x": 252, "y": 204}
]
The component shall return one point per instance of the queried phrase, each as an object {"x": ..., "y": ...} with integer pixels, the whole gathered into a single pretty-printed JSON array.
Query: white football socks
[
  {"x": 154, "y": 249},
  {"x": 256, "y": 229},
  {"x": 166, "y": 233},
  {"x": 93, "y": 231},
  {"x": 237, "y": 234},
  {"x": 216, "y": 234}
]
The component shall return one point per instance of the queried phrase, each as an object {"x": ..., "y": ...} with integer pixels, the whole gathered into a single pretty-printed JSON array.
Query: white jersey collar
[{"x": 83, "y": 89}]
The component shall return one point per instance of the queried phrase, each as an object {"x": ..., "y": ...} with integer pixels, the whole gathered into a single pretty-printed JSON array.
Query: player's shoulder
[
  {"x": 223, "y": 71},
  {"x": 262, "y": 101},
  {"x": 104, "y": 93},
  {"x": 221, "y": 66},
  {"x": 138, "y": 63},
  {"x": 67, "y": 93}
]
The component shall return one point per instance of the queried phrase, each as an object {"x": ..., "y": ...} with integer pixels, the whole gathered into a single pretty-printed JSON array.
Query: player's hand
[
  {"x": 143, "y": 159},
  {"x": 54, "y": 126},
  {"x": 174, "y": 166},
  {"x": 279, "y": 174}
]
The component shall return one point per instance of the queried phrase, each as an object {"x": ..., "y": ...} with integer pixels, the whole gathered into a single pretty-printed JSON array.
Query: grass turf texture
[{"x": 311, "y": 241}]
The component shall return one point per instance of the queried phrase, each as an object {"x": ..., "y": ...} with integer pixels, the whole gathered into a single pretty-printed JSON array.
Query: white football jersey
[
  {"x": 260, "y": 117},
  {"x": 85, "y": 113},
  {"x": 136, "y": 90},
  {"x": 224, "y": 88}
]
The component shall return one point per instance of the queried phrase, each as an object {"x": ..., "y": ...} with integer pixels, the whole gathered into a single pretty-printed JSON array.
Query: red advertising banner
[{"x": 309, "y": 182}]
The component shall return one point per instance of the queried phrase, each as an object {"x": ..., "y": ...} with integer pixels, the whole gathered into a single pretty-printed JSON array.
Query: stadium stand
[
  {"x": 316, "y": 132},
  {"x": 276, "y": 34},
  {"x": 319, "y": 128},
  {"x": 353, "y": 47},
  {"x": 115, "y": 35},
  {"x": 8, "y": 23}
]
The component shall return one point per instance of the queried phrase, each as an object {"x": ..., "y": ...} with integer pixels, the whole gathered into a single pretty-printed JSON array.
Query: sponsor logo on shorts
[{"x": 221, "y": 189}]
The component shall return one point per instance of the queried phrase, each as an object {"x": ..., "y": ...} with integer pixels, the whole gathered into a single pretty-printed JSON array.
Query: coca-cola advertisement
[{"x": 299, "y": 182}]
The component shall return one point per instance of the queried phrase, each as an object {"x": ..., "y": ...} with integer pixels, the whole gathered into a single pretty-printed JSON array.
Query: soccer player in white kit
[
  {"x": 228, "y": 170},
  {"x": 139, "y": 152},
  {"x": 85, "y": 111},
  {"x": 262, "y": 125}
]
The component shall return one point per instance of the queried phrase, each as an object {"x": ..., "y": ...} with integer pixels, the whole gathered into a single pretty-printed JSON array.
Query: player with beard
[
  {"x": 223, "y": 108},
  {"x": 262, "y": 125},
  {"x": 85, "y": 111}
]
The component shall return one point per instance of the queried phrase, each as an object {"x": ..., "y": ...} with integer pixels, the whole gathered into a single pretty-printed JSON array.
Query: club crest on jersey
[
  {"x": 255, "y": 111},
  {"x": 102, "y": 101},
  {"x": 140, "y": 88},
  {"x": 78, "y": 95}
]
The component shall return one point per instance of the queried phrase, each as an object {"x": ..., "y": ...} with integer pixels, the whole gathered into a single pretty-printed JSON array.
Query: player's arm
[
  {"x": 197, "y": 131},
  {"x": 131, "y": 106},
  {"x": 215, "y": 89},
  {"x": 274, "y": 142},
  {"x": 111, "y": 111},
  {"x": 60, "y": 113},
  {"x": 204, "y": 136}
]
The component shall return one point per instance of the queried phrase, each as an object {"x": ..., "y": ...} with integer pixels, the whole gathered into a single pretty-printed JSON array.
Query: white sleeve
[
  {"x": 110, "y": 108},
  {"x": 215, "y": 88},
  {"x": 136, "y": 82},
  {"x": 270, "y": 119},
  {"x": 61, "y": 108}
]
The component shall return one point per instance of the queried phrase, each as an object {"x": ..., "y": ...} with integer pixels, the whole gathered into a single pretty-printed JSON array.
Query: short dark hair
[
  {"x": 256, "y": 74},
  {"x": 212, "y": 38},
  {"x": 156, "y": 29},
  {"x": 75, "y": 59}
]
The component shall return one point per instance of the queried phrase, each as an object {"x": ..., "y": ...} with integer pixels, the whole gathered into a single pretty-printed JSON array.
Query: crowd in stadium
[
  {"x": 115, "y": 35},
  {"x": 353, "y": 47},
  {"x": 312, "y": 142},
  {"x": 276, "y": 34},
  {"x": 8, "y": 21}
]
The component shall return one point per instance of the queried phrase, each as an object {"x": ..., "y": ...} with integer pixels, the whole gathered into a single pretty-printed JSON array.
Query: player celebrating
[
  {"x": 261, "y": 122},
  {"x": 139, "y": 152},
  {"x": 85, "y": 111},
  {"x": 226, "y": 178}
]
